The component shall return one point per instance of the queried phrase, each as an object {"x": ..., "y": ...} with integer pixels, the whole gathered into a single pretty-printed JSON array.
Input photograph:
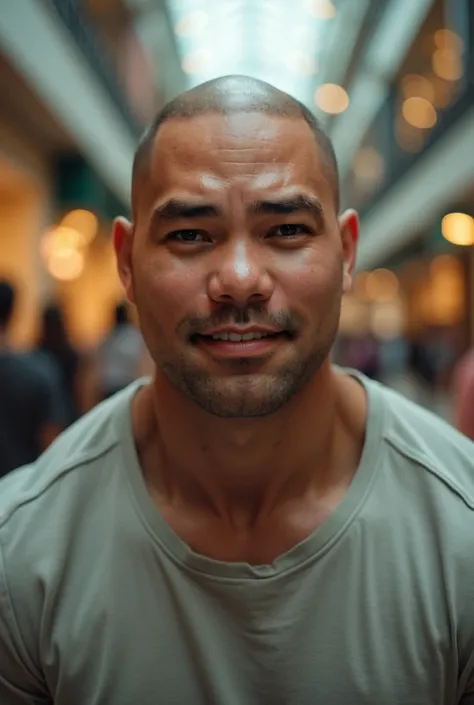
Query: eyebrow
[
  {"x": 292, "y": 204},
  {"x": 174, "y": 208}
]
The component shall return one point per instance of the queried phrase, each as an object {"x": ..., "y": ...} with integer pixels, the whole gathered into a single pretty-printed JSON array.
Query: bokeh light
[
  {"x": 458, "y": 228},
  {"x": 419, "y": 112},
  {"x": 331, "y": 98}
]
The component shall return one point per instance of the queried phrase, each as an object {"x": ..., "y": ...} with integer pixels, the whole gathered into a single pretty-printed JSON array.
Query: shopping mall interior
[{"x": 392, "y": 82}]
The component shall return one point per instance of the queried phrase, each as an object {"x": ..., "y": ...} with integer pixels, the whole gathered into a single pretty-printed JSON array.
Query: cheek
[
  {"x": 314, "y": 281},
  {"x": 165, "y": 293}
]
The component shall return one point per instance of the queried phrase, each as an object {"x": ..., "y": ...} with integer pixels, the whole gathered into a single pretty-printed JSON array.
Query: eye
[
  {"x": 289, "y": 230},
  {"x": 188, "y": 236}
]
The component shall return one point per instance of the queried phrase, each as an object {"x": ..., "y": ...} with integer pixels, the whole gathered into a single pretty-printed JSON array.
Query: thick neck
[{"x": 243, "y": 469}]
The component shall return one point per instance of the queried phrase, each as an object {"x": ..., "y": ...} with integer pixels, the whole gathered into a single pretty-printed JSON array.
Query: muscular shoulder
[{"x": 426, "y": 441}]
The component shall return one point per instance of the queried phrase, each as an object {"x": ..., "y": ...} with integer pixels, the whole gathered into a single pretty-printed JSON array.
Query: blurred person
[
  {"x": 365, "y": 355},
  {"x": 463, "y": 394},
  {"x": 30, "y": 412},
  {"x": 54, "y": 343},
  {"x": 253, "y": 525},
  {"x": 120, "y": 355}
]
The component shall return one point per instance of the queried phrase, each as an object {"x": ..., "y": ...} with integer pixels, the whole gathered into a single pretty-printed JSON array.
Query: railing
[{"x": 88, "y": 40}]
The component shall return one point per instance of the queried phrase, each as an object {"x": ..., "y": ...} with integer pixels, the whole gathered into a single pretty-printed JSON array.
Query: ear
[
  {"x": 349, "y": 229},
  {"x": 123, "y": 245}
]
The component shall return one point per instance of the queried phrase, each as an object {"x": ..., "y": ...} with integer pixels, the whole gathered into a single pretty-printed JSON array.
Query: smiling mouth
[
  {"x": 231, "y": 345},
  {"x": 238, "y": 338}
]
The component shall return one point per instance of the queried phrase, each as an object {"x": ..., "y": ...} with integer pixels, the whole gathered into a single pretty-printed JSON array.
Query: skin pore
[{"x": 245, "y": 446}]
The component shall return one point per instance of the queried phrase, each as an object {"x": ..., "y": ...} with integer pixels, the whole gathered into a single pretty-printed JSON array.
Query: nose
[{"x": 240, "y": 278}]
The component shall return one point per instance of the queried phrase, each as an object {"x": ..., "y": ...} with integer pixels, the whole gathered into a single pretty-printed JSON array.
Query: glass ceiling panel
[{"x": 278, "y": 41}]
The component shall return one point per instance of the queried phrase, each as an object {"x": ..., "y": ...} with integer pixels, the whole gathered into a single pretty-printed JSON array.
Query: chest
[{"x": 358, "y": 629}]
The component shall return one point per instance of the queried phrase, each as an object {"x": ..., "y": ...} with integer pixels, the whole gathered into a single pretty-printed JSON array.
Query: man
[
  {"x": 252, "y": 526},
  {"x": 30, "y": 409}
]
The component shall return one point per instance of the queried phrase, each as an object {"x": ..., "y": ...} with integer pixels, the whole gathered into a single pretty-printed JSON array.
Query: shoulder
[
  {"x": 68, "y": 469},
  {"x": 418, "y": 438}
]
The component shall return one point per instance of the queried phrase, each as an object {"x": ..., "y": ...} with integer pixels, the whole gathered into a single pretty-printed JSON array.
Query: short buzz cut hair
[{"x": 228, "y": 95}]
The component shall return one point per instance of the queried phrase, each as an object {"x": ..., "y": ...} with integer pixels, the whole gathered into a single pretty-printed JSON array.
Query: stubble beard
[{"x": 244, "y": 393}]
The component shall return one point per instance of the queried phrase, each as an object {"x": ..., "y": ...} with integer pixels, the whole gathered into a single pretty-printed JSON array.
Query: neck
[
  {"x": 3, "y": 339},
  {"x": 245, "y": 468}
]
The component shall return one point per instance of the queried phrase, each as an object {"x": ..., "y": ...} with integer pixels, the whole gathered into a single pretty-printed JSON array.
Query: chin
[{"x": 249, "y": 396}]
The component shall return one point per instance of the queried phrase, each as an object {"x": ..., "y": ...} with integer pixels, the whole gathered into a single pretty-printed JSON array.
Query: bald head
[{"x": 228, "y": 95}]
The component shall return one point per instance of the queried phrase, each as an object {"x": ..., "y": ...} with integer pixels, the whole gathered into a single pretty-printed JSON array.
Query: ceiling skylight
[{"x": 278, "y": 41}]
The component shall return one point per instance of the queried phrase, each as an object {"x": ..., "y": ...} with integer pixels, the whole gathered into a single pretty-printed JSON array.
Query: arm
[{"x": 20, "y": 684}]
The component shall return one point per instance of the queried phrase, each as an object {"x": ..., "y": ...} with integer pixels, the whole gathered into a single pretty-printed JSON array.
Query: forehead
[{"x": 249, "y": 151}]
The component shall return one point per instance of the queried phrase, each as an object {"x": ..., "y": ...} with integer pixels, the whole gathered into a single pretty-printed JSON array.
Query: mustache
[{"x": 288, "y": 321}]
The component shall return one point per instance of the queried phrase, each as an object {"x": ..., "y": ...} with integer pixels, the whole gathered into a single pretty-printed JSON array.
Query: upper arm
[{"x": 20, "y": 684}]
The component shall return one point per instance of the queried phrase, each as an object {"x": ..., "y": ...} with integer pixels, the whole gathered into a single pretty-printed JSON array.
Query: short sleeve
[{"x": 18, "y": 684}]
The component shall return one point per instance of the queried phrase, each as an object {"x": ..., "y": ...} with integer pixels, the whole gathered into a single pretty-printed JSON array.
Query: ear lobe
[{"x": 123, "y": 242}]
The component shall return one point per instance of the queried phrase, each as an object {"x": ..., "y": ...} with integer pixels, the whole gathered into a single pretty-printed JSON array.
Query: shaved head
[{"x": 228, "y": 95}]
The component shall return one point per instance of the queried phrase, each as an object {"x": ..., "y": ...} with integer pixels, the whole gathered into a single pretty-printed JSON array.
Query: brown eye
[
  {"x": 289, "y": 230},
  {"x": 188, "y": 236}
]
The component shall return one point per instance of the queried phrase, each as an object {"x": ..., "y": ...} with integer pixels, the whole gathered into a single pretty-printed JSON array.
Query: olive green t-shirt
[{"x": 101, "y": 603}]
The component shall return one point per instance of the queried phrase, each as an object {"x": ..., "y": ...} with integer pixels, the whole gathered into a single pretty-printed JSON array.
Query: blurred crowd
[
  {"x": 47, "y": 388},
  {"x": 428, "y": 369}
]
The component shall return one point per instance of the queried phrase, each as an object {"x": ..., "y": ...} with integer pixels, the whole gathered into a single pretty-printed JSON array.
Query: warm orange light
[
  {"x": 331, "y": 98},
  {"x": 66, "y": 264},
  {"x": 443, "y": 263},
  {"x": 409, "y": 138},
  {"x": 354, "y": 317},
  {"x": 419, "y": 112},
  {"x": 388, "y": 319},
  {"x": 382, "y": 285},
  {"x": 443, "y": 299},
  {"x": 458, "y": 228},
  {"x": 447, "y": 39},
  {"x": 322, "y": 9},
  {"x": 416, "y": 86},
  {"x": 83, "y": 222},
  {"x": 59, "y": 238},
  {"x": 447, "y": 64},
  {"x": 191, "y": 24},
  {"x": 360, "y": 286}
]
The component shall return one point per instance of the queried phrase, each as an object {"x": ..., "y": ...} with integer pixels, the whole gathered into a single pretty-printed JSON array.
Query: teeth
[{"x": 236, "y": 338}]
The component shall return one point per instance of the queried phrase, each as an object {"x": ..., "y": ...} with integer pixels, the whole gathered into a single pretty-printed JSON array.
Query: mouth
[{"x": 230, "y": 344}]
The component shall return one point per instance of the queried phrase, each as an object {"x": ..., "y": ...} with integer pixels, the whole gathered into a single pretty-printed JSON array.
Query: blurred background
[{"x": 392, "y": 82}]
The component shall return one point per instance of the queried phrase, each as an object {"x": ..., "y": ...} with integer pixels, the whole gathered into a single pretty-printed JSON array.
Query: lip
[
  {"x": 239, "y": 330},
  {"x": 243, "y": 349}
]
